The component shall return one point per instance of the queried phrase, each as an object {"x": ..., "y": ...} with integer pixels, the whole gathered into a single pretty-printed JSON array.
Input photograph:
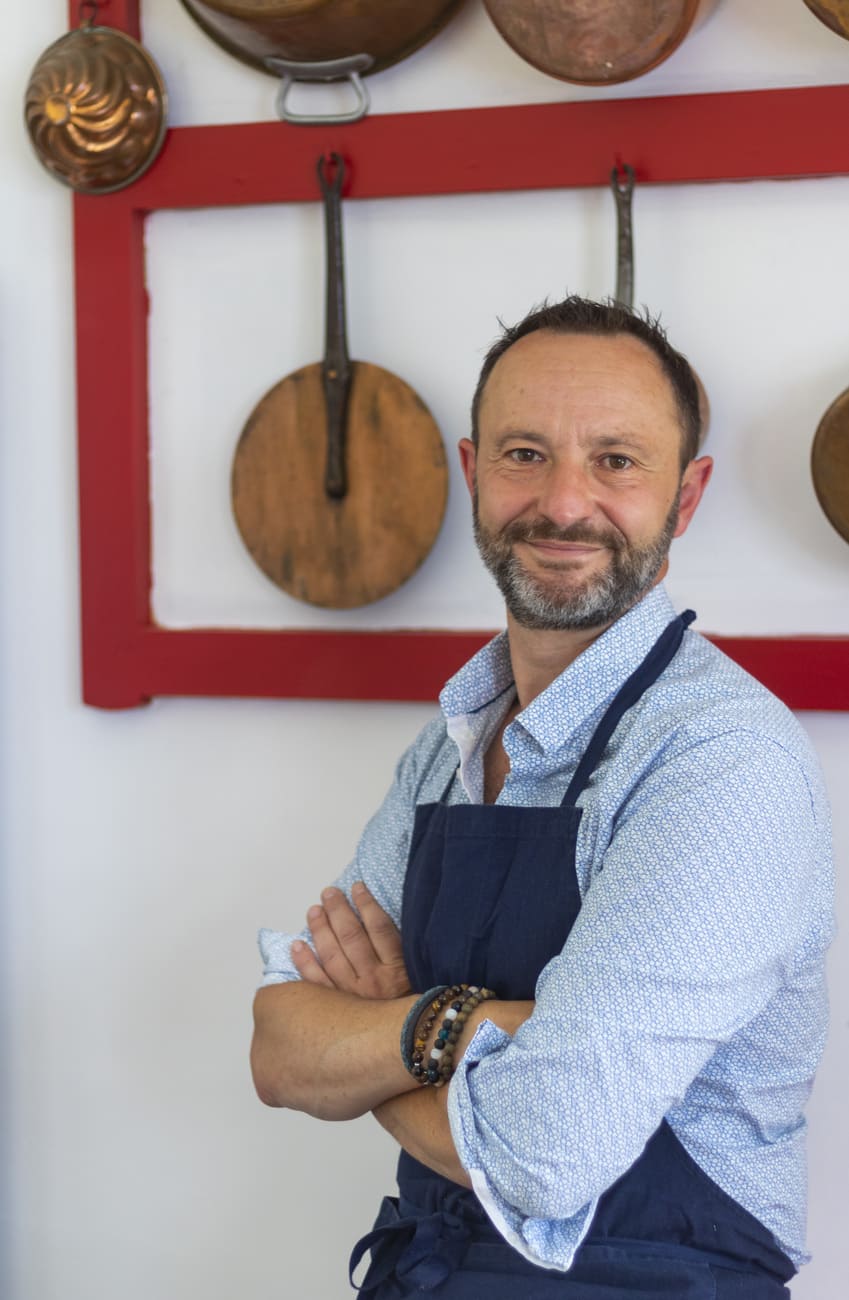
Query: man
[{"x": 625, "y": 838}]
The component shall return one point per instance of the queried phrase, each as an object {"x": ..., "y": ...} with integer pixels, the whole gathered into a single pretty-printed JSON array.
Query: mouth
[{"x": 548, "y": 549}]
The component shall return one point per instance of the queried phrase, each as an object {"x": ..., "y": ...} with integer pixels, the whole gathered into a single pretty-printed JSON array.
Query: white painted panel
[{"x": 749, "y": 279}]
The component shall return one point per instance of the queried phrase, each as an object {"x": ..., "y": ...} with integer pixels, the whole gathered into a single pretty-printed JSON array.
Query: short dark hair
[{"x": 575, "y": 315}]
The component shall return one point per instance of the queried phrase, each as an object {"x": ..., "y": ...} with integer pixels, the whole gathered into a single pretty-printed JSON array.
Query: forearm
[
  {"x": 331, "y": 1054},
  {"x": 329, "y": 1043},
  {"x": 418, "y": 1121}
]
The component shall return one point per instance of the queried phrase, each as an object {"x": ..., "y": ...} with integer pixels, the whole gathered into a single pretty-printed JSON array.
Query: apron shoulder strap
[{"x": 658, "y": 658}]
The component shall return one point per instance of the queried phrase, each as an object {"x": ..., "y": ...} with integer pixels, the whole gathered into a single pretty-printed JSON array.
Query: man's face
[{"x": 576, "y": 479}]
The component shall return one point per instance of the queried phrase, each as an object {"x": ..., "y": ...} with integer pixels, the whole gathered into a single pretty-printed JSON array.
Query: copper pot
[
  {"x": 595, "y": 42},
  {"x": 314, "y": 31}
]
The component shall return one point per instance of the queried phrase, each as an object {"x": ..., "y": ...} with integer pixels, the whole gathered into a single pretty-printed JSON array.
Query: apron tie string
[{"x": 420, "y": 1252}]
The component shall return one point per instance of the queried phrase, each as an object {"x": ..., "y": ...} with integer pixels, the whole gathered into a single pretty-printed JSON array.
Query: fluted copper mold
[{"x": 95, "y": 109}]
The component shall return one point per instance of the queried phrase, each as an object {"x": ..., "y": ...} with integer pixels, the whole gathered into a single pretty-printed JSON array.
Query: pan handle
[
  {"x": 622, "y": 184},
  {"x": 336, "y": 367},
  {"x": 347, "y": 69}
]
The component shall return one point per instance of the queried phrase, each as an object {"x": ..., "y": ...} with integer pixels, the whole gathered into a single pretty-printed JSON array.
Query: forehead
[{"x": 606, "y": 378}]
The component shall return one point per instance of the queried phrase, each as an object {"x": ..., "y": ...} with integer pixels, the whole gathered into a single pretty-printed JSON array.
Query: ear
[
  {"x": 693, "y": 484},
  {"x": 468, "y": 461}
]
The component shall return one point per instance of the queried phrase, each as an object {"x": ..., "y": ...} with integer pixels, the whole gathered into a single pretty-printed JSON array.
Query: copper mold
[{"x": 95, "y": 109}]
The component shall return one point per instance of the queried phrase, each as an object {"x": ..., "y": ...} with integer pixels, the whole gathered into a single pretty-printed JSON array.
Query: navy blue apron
[{"x": 490, "y": 896}]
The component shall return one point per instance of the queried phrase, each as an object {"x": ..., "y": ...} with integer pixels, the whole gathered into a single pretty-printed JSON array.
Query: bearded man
[{"x": 576, "y": 967}]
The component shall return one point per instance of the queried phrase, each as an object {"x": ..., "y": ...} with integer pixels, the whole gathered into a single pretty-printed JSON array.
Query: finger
[
  {"x": 382, "y": 931},
  {"x": 308, "y": 966},
  {"x": 348, "y": 931},
  {"x": 331, "y": 954}
]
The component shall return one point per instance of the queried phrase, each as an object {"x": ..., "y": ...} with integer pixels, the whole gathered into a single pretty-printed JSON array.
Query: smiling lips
[
  {"x": 564, "y": 550},
  {"x": 553, "y": 543}
]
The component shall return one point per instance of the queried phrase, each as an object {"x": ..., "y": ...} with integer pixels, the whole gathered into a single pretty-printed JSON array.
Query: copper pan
[
  {"x": 339, "y": 479},
  {"x": 830, "y": 464},
  {"x": 314, "y": 31},
  {"x": 596, "y": 42},
  {"x": 834, "y": 13}
]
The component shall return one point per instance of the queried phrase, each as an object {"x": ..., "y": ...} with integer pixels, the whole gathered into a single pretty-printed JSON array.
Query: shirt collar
[{"x": 591, "y": 680}]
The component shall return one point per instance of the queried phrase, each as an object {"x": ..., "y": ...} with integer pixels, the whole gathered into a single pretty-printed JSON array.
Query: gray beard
[{"x": 593, "y": 602}]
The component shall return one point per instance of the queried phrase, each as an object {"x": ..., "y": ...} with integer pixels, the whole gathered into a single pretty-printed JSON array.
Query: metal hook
[
  {"x": 622, "y": 178},
  {"x": 92, "y": 6},
  {"x": 330, "y": 185}
]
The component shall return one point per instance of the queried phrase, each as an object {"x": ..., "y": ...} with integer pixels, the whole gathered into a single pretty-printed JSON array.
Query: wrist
[
  {"x": 483, "y": 1011},
  {"x": 434, "y": 1028}
]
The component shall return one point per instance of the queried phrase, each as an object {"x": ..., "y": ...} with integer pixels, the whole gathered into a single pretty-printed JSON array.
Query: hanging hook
[
  {"x": 89, "y": 7},
  {"x": 622, "y": 178}
]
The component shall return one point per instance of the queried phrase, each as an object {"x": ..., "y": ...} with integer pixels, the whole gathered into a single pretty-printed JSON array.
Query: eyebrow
[
  {"x": 625, "y": 440},
  {"x": 523, "y": 435}
]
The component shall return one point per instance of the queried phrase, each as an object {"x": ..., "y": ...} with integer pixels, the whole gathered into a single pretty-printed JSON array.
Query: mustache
[{"x": 543, "y": 530}]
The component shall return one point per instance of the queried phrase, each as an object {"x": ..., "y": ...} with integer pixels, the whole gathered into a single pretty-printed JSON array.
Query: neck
[{"x": 538, "y": 657}]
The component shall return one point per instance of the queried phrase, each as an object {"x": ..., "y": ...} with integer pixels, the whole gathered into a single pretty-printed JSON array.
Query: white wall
[{"x": 141, "y": 850}]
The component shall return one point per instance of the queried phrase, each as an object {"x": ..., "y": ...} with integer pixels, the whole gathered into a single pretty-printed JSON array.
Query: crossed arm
[
  {"x": 709, "y": 886},
  {"x": 329, "y": 1044}
]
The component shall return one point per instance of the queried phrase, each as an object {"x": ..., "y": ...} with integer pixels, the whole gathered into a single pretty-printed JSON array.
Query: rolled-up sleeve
[{"x": 693, "y": 923}]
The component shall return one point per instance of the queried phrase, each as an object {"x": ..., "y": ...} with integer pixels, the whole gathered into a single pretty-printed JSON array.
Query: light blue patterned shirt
[{"x": 692, "y": 985}]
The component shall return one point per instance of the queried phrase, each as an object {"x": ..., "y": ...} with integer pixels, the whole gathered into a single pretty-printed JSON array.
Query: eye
[
  {"x": 524, "y": 456},
  {"x": 616, "y": 461}
]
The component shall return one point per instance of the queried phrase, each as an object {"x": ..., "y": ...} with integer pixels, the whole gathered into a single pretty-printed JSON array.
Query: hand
[{"x": 356, "y": 954}]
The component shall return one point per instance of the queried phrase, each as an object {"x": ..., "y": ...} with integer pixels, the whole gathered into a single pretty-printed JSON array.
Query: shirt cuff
[
  {"x": 275, "y": 949},
  {"x": 550, "y": 1243}
]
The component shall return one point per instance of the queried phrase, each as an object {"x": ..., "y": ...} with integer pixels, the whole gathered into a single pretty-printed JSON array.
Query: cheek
[
  {"x": 502, "y": 499},
  {"x": 639, "y": 514}
]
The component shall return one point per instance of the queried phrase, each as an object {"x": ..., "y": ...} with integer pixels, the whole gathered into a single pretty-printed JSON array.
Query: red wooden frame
[{"x": 126, "y": 658}]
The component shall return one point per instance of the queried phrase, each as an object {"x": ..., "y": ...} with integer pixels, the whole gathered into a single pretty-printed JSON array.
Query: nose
[{"x": 566, "y": 494}]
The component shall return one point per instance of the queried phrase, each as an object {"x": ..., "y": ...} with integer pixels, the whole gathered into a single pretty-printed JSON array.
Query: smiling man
[
  {"x": 576, "y": 965},
  {"x": 593, "y": 514}
]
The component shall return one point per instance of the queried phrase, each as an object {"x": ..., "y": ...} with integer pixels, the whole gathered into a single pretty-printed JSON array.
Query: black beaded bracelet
[
  {"x": 419, "y": 1022},
  {"x": 408, "y": 1029}
]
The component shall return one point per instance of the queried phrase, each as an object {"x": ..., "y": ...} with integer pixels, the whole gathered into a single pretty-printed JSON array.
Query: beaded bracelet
[
  {"x": 426, "y": 1008},
  {"x": 425, "y": 1028},
  {"x": 449, "y": 1034},
  {"x": 440, "y": 1062}
]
